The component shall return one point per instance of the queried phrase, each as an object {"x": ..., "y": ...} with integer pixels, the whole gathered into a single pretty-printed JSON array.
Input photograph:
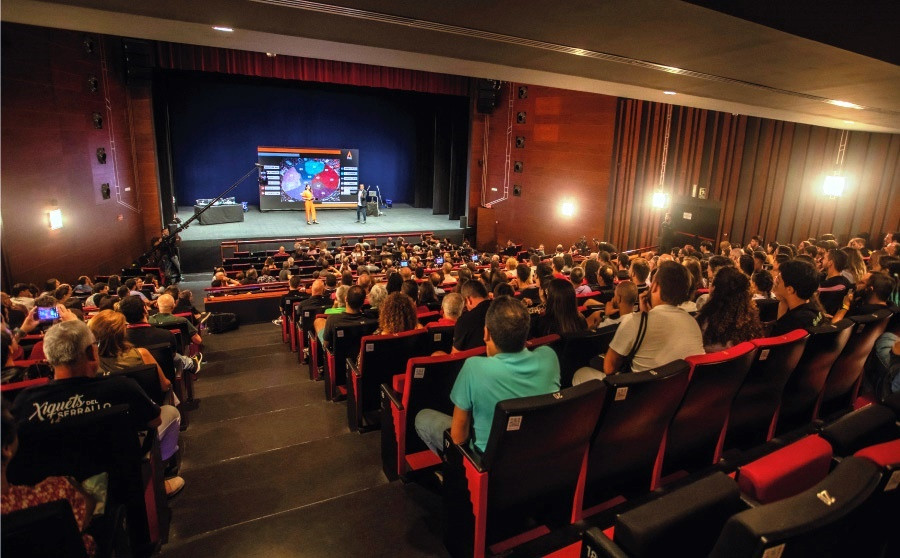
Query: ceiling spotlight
[
  {"x": 845, "y": 104},
  {"x": 223, "y": 29},
  {"x": 660, "y": 200},
  {"x": 668, "y": 93}
]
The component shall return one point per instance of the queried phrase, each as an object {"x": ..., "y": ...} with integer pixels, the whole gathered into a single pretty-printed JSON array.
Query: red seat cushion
[
  {"x": 398, "y": 382},
  {"x": 884, "y": 455},
  {"x": 787, "y": 471}
]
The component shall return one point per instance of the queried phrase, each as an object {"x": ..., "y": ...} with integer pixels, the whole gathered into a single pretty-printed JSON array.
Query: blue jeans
[
  {"x": 361, "y": 210},
  {"x": 430, "y": 426}
]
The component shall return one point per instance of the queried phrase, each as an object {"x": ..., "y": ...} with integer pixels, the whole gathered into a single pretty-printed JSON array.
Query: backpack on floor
[{"x": 220, "y": 323}]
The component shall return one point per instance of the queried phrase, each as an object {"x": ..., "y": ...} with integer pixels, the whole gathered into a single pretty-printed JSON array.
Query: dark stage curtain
[
  {"x": 766, "y": 175},
  {"x": 173, "y": 56}
]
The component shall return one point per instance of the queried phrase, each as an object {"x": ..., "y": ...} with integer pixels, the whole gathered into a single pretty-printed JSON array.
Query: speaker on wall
[{"x": 487, "y": 95}]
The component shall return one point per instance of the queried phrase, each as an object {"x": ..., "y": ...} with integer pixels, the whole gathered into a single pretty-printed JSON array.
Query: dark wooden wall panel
[
  {"x": 567, "y": 157},
  {"x": 49, "y": 148}
]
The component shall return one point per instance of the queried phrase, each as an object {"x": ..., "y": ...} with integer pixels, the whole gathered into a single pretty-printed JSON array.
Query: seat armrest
[
  {"x": 352, "y": 367},
  {"x": 598, "y": 544},
  {"x": 465, "y": 451},
  {"x": 396, "y": 398}
]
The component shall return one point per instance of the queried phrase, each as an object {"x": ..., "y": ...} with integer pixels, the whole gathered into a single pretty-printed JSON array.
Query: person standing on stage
[
  {"x": 308, "y": 198},
  {"x": 361, "y": 203}
]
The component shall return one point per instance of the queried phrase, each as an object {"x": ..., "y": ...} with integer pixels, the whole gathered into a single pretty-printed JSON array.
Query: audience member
[
  {"x": 75, "y": 391},
  {"x": 166, "y": 304},
  {"x": 729, "y": 317},
  {"x": 794, "y": 286},
  {"x": 620, "y": 305},
  {"x": 396, "y": 315},
  {"x": 451, "y": 309},
  {"x": 835, "y": 285},
  {"x": 469, "y": 332},
  {"x": 140, "y": 333},
  {"x": 352, "y": 314},
  {"x": 761, "y": 285},
  {"x": 658, "y": 346},
  {"x": 561, "y": 315},
  {"x": 508, "y": 371}
]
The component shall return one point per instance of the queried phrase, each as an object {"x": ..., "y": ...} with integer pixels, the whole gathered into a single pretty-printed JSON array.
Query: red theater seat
[
  {"x": 787, "y": 471},
  {"x": 526, "y": 481},
  {"x": 696, "y": 434},
  {"x": 754, "y": 410},
  {"x": 426, "y": 384}
]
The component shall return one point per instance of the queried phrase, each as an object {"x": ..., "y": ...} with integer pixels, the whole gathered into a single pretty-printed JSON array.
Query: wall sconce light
[
  {"x": 101, "y": 155},
  {"x": 55, "y": 217},
  {"x": 97, "y": 118},
  {"x": 834, "y": 186},
  {"x": 567, "y": 209}
]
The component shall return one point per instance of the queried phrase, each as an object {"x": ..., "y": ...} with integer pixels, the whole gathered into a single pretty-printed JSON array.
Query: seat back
[
  {"x": 83, "y": 446},
  {"x": 45, "y": 530},
  {"x": 427, "y": 384},
  {"x": 162, "y": 353},
  {"x": 697, "y": 431},
  {"x": 536, "y": 449},
  {"x": 842, "y": 384},
  {"x": 380, "y": 358},
  {"x": 754, "y": 408},
  {"x": 552, "y": 340},
  {"x": 441, "y": 338},
  {"x": 636, "y": 412},
  {"x": 577, "y": 349},
  {"x": 804, "y": 386},
  {"x": 768, "y": 309},
  {"x": 833, "y": 518},
  {"x": 344, "y": 345},
  {"x": 147, "y": 377}
]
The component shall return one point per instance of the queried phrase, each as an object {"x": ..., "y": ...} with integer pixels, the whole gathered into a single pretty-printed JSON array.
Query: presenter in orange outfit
[{"x": 308, "y": 198}]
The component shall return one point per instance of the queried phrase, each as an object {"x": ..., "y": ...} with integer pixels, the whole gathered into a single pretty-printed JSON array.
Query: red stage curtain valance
[
  {"x": 766, "y": 174},
  {"x": 175, "y": 56}
]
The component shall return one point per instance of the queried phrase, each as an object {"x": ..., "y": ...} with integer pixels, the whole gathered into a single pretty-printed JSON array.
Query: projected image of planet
[{"x": 322, "y": 175}]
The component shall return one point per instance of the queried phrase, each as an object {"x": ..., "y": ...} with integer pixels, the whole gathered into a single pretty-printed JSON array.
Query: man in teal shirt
[{"x": 508, "y": 371}]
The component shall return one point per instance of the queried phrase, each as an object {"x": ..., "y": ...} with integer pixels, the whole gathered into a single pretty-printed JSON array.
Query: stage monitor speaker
[
  {"x": 695, "y": 220},
  {"x": 487, "y": 95},
  {"x": 462, "y": 222},
  {"x": 372, "y": 209}
]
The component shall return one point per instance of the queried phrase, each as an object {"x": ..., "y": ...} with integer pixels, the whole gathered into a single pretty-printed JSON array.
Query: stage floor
[{"x": 332, "y": 222}]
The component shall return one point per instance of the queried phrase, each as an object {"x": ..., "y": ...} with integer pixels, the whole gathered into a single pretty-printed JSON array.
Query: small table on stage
[{"x": 226, "y": 213}]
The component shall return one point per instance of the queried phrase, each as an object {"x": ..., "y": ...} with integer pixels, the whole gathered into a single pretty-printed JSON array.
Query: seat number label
[
  {"x": 419, "y": 372},
  {"x": 514, "y": 423},
  {"x": 621, "y": 393}
]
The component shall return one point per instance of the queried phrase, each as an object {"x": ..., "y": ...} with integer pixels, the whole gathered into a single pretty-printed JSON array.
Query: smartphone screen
[
  {"x": 47, "y": 314},
  {"x": 474, "y": 257},
  {"x": 404, "y": 263},
  {"x": 439, "y": 261}
]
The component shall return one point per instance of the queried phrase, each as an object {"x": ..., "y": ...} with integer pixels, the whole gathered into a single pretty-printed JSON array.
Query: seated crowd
[{"x": 664, "y": 306}]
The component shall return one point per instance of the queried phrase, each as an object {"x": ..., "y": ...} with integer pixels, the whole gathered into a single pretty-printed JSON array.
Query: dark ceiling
[{"x": 767, "y": 59}]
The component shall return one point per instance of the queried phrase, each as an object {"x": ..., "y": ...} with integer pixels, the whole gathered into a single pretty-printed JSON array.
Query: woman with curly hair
[
  {"x": 397, "y": 314},
  {"x": 729, "y": 316}
]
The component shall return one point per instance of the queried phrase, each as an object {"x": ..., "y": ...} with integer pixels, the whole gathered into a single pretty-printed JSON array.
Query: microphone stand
[
  {"x": 167, "y": 242},
  {"x": 380, "y": 202}
]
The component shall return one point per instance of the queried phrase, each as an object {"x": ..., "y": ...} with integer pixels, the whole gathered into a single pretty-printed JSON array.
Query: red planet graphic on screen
[{"x": 325, "y": 183}]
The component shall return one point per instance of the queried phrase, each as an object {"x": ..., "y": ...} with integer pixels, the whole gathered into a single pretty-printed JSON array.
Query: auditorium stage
[{"x": 200, "y": 243}]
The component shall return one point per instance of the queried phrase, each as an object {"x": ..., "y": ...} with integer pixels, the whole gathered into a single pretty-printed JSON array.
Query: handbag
[{"x": 642, "y": 331}]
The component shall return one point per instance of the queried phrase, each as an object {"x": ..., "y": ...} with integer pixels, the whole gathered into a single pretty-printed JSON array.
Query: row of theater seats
[{"x": 541, "y": 467}]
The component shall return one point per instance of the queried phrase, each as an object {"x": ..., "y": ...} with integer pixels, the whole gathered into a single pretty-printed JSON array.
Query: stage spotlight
[
  {"x": 523, "y": 91},
  {"x": 520, "y": 142},
  {"x": 520, "y": 117},
  {"x": 660, "y": 200},
  {"x": 567, "y": 209},
  {"x": 93, "y": 84},
  {"x": 88, "y": 44},
  {"x": 97, "y": 118},
  {"x": 517, "y": 190},
  {"x": 104, "y": 190},
  {"x": 834, "y": 186},
  {"x": 518, "y": 166},
  {"x": 101, "y": 155},
  {"x": 55, "y": 218}
]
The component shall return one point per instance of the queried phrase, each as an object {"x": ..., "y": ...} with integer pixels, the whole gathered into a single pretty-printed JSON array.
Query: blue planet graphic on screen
[{"x": 313, "y": 167}]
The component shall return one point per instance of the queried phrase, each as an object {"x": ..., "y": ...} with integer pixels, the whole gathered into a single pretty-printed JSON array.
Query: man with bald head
[{"x": 165, "y": 303}]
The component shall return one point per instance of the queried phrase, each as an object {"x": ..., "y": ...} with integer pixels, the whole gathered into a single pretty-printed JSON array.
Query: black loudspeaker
[
  {"x": 487, "y": 95},
  {"x": 139, "y": 58},
  {"x": 462, "y": 222}
]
